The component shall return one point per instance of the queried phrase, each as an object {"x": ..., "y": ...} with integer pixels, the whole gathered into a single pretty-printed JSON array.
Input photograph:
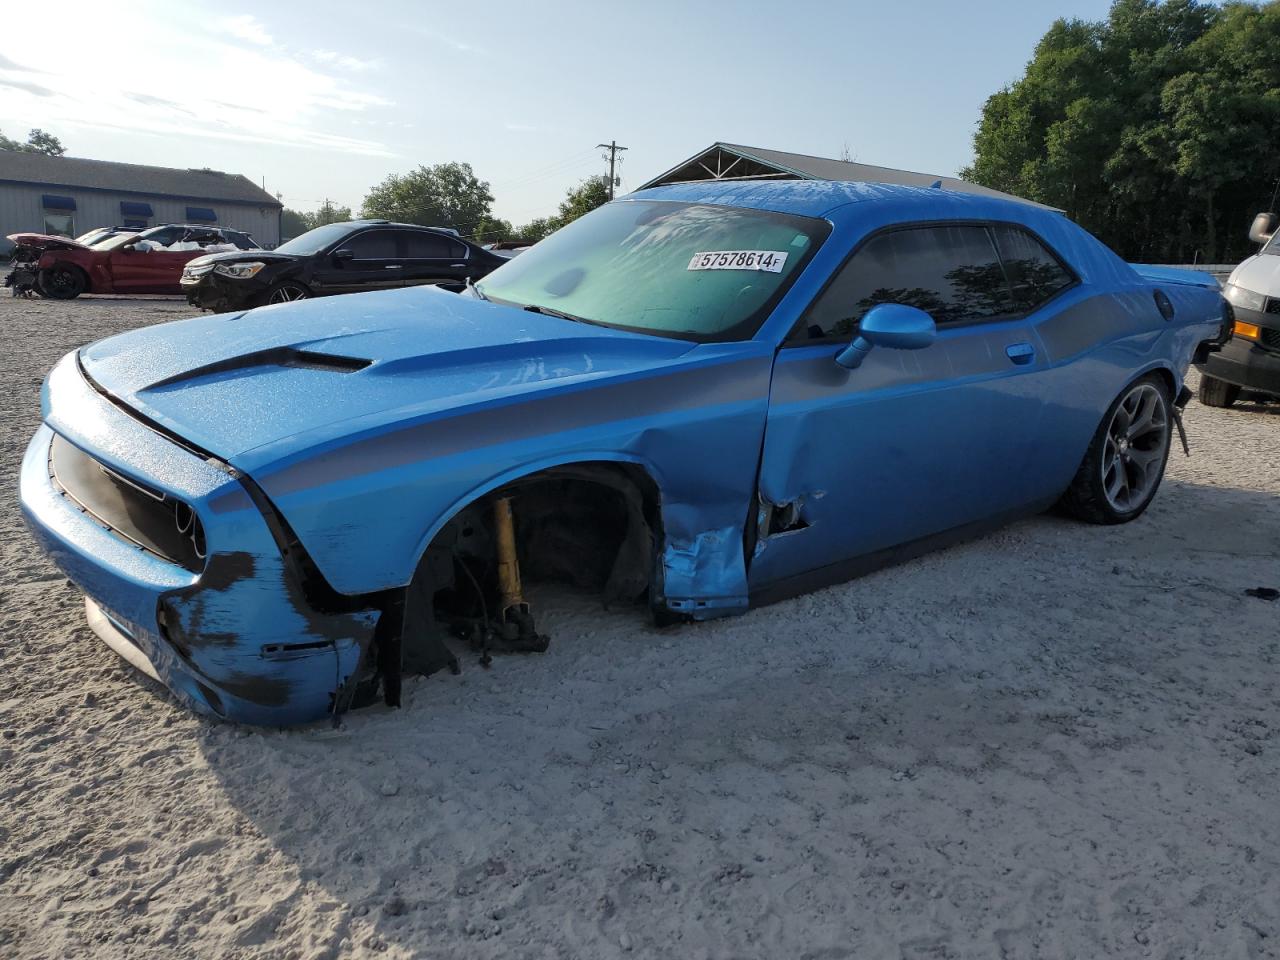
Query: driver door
[
  {"x": 912, "y": 443},
  {"x": 371, "y": 260}
]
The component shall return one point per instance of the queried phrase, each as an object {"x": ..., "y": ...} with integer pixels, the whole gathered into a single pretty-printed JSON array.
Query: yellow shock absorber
[
  {"x": 508, "y": 564},
  {"x": 516, "y": 622}
]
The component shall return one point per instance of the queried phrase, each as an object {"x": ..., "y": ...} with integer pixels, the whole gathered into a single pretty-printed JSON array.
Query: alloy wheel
[
  {"x": 1135, "y": 448},
  {"x": 287, "y": 294}
]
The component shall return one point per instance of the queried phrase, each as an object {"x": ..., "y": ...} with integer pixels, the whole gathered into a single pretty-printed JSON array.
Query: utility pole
[{"x": 612, "y": 157}]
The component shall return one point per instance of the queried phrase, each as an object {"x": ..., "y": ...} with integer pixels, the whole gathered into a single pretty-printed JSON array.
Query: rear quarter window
[{"x": 1036, "y": 275}]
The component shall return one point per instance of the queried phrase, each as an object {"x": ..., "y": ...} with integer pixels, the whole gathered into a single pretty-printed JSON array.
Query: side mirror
[
  {"x": 892, "y": 325},
  {"x": 1264, "y": 227},
  {"x": 342, "y": 256}
]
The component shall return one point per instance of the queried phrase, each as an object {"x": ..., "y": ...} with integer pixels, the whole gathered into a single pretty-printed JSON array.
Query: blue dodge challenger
[{"x": 701, "y": 397}]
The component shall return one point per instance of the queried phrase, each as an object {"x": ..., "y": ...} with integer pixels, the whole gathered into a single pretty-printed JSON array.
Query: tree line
[
  {"x": 450, "y": 195},
  {"x": 1157, "y": 129},
  {"x": 37, "y": 142}
]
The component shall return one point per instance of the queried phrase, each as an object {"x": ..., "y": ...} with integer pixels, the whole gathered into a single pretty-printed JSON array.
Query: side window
[
  {"x": 428, "y": 246},
  {"x": 167, "y": 236},
  {"x": 373, "y": 245},
  {"x": 1035, "y": 274},
  {"x": 952, "y": 272}
]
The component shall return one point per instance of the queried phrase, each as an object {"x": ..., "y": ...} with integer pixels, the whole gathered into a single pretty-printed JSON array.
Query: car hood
[
  {"x": 44, "y": 241},
  {"x": 255, "y": 387},
  {"x": 1260, "y": 273},
  {"x": 240, "y": 256}
]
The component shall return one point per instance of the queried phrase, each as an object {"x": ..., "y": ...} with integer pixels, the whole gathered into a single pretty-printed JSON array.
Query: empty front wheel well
[{"x": 594, "y": 525}]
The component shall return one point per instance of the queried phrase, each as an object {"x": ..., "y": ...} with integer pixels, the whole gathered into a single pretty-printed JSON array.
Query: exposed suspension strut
[{"x": 515, "y": 622}]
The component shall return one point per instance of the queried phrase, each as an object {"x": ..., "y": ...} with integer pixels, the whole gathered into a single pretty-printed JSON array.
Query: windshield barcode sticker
[{"x": 770, "y": 261}]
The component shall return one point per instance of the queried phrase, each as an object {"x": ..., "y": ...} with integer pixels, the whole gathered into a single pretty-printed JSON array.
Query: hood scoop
[{"x": 271, "y": 357}]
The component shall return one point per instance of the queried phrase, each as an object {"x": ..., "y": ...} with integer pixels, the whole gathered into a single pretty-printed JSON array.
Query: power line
[
  {"x": 529, "y": 176},
  {"x": 612, "y": 157}
]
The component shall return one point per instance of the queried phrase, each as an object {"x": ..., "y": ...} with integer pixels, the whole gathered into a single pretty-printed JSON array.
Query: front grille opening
[
  {"x": 133, "y": 511},
  {"x": 1270, "y": 338}
]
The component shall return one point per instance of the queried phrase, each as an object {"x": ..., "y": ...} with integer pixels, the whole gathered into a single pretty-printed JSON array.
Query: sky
[{"x": 322, "y": 100}]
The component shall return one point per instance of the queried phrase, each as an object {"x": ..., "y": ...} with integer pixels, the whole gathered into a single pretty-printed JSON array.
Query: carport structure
[{"x": 732, "y": 161}]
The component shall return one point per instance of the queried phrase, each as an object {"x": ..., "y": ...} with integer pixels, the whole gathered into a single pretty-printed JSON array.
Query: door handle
[
  {"x": 457, "y": 264},
  {"x": 394, "y": 266},
  {"x": 1020, "y": 353}
]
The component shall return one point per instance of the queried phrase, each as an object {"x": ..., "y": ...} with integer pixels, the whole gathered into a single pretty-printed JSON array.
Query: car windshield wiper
[{"x": 552, "y": 312}]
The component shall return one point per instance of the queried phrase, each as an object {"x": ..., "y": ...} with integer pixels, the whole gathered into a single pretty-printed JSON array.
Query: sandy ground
[{"x": 1059, "y": 741}]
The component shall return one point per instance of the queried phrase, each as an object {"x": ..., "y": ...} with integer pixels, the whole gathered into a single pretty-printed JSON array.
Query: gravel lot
[{"x": 1059, "y": 741}]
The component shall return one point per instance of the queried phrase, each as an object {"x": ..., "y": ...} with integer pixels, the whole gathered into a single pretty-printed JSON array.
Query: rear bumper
[
  {"x": 238, "y": 639},
  {"x": 1245, "y": 364}
]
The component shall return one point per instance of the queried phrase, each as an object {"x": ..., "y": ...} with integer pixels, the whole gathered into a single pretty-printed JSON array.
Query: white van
[{"x": 1250, "y": 360}]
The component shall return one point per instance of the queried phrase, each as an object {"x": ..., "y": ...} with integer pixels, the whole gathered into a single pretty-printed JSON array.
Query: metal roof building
[
  {"x": 732, "y": 161},
  {"x": 69, "y": 196}
]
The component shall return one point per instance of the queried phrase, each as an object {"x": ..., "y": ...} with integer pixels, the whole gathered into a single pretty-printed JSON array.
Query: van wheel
[
  {"x": 62, "y": 282},
  {"x": 1122, "y": 470},
  {"x": 1216, "y": 393}
]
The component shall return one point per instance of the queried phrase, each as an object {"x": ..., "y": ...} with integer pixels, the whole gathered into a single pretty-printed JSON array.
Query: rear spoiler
[{"x": 1179, "y": 275}]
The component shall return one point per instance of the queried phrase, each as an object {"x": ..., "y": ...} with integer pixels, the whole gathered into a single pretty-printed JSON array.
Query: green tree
[
  {"x": 292, "y": 223},
  {"x": 37, "y": 142},
  {"x": 493, "y": 229},
  {"x": 295, "y": 222},
  {"x": 1158, "y": 129},
  {"x": 585, "y": 197},
  {"x": 444, "y": 195},
  {"x": 535, "y": 230},
  {"x": 329, "y": 212}
]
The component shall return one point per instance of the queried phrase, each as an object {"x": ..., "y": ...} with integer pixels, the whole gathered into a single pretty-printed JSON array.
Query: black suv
[{"x": 336, "y": 258}]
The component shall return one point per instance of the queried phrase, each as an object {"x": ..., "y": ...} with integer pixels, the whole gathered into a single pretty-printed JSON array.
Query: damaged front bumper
[
  {"x": 237, "y": 638},
  {"x": 209, "y": 290}
]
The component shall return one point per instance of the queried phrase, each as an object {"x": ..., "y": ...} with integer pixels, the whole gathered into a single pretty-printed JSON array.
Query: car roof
[
  {"x": 192, "y": 226},
  {"x": 445, "y": 231},
  {"x": 817, "y": 198}
]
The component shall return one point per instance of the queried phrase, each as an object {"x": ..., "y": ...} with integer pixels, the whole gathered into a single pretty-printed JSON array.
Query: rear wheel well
[{"x": 1167, "y": 376}]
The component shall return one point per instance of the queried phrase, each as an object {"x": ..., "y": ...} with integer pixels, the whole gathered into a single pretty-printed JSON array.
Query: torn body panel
[
  {"x": 698, "y": 442},
  {"x": 239, "y": 638}
]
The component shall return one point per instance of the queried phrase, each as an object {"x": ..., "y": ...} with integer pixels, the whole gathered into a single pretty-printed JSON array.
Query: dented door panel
[{"x": 909, "y": 444}]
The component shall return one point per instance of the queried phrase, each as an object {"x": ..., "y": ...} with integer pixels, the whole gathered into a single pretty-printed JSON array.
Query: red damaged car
[{"x": 147, "y": 262}]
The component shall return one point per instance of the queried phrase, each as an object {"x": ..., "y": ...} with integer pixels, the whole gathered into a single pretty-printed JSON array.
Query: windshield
[
  {"x": 313, "y": 241},
  {"x": 684, "y": 270},
  {"x": 119, "y": 240}
]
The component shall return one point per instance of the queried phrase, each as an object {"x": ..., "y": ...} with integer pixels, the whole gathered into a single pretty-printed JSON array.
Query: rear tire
[
  {"x": 1124, "y": 465},
  {"x": 62, "y": 282},
  {"x": 1217, "y": 393}
]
